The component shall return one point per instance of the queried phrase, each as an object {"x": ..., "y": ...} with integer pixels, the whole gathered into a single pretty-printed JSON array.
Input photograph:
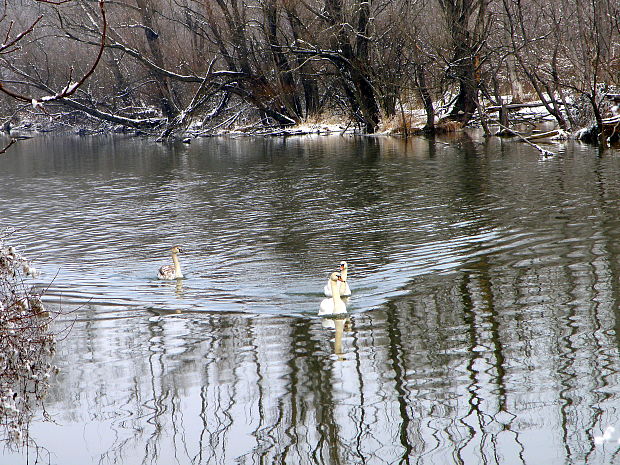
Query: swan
[
  {"x": 335, "y": 304},
  {"x": 343, "y": 286},
  {"x": 172, "y": 271}
]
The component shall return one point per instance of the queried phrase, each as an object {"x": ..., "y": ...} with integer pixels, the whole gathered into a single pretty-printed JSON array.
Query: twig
[
  {"x": 3, "y": 150},
  {"x": 70, "y": 88}
]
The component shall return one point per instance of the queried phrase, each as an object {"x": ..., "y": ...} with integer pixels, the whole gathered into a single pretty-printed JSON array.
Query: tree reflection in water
[
  {"x": 449, "y": 370},
  {"x": 484, "y": 327}
]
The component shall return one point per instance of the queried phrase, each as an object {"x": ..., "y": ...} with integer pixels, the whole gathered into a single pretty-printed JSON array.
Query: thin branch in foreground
[
  {"x": 70, "y": 88},
  {"x": 53, "y": 2},
  {"x": 3, "y": 150},
  {"x": 8, "y": 43}
]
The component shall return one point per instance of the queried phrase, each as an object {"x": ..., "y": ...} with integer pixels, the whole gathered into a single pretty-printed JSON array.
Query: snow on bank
[{"x": 299, "y": 130}]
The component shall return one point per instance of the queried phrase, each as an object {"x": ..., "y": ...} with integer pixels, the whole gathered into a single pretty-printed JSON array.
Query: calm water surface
[{"x": 482, "y": 327}]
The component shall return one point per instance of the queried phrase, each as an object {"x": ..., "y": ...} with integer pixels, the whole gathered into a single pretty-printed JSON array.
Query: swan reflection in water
[
  {"x": 339, "y": 324},
  {"x": 178, "y": 288},
  {"x": 170, "y": 285},
  {"x": 334, "y": 309}
]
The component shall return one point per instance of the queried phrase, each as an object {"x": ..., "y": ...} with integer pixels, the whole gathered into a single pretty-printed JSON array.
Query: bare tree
[
  {"x": 586, "y": 50},
  {"x": 171, "y": 63},
  {"x": 468, "y": 25},
  {"x": 532, "y": 43},
  {"x": 49, "y": 95}
]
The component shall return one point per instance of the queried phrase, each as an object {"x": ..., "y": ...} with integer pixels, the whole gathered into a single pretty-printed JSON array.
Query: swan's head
[
  {"x": 343, "y": 266},
  {"x": 176, "y": 249},
  {"x": 335, "y": 276}
]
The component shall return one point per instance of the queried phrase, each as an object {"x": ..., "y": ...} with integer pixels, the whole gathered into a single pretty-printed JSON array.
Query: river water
[{"x": 482, "y": 329}]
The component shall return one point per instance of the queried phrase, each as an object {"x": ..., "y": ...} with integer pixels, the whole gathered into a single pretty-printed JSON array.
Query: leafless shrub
[{"x": 26, "y": 347}]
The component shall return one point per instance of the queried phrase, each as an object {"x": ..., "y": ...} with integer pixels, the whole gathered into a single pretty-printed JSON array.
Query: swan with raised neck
[
  {"x": 335, "y": 304},
  {"x": 343, "y": 286},
  {"x": 172, "y": 271}
]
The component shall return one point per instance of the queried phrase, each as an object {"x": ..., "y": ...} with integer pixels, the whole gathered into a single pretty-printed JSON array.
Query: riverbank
[{"x": 528, "y": 121}]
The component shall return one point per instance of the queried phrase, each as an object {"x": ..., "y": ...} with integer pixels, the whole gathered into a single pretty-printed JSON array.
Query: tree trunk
[
  {"x": 355, "y": 67},
  {"x": 517, "y": 92},
  {"x": 465, "y": 104},
  {"x": 164, "y": 94},
  {"x": 308, "y": 83},
  {"x": 288, "y": 87},
  {"x": 465, "y": 63},
  {"x": 425, "y": 96}
]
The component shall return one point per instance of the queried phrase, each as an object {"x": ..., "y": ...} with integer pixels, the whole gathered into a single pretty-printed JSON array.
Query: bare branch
[
  {"x": 6, "y": 147},
  {"x": 10, "y": 43},
  {"x": 70, "y": 88}
]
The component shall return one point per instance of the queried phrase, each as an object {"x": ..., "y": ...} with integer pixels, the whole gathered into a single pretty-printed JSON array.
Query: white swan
[
  {"x": 335, "y": 304},
  {"x": 172, "y": 271},
  {"x": 343, "y": 286}
]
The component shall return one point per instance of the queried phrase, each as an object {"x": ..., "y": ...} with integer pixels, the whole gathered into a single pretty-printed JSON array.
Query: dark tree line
[{"x": 162, "y": 65}]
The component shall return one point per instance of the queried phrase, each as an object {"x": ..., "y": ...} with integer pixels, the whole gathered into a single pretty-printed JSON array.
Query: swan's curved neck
[
  {"x": 335, "y": 291},
  {"x": 343, "y": 274},
  {"x": 177, "y": 266}
]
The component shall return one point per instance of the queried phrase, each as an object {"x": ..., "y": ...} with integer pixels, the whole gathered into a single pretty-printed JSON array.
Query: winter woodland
[{"x": 165, "y": 67}]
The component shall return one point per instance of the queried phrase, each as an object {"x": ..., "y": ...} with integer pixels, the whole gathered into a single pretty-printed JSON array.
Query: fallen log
[
  {"x": 611, "y": 129},
  {"x": 515, "y": 106},
  {"x": 543, "y": 152},
  {"x": 611, "y": 121},
  {"x": 544, "y": 135}
]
